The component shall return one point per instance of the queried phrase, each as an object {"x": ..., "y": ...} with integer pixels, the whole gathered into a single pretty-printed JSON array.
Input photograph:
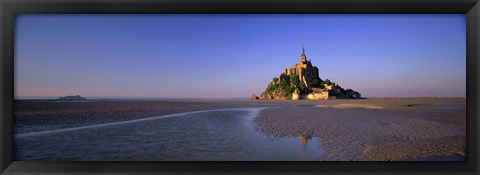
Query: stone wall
[
  {"x": 311, "y": 96},
  {"x": 318, "y": 96}
]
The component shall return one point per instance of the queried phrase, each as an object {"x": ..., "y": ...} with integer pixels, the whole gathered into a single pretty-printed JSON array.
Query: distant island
[
  {"x": 302, "y": 81},
  {"x": 71, "y": 98}
]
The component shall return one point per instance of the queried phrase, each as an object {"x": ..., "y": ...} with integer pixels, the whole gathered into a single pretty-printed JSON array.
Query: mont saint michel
[
  {"x": 178, "y": 87},
  {"x": 302, "y": 81}
]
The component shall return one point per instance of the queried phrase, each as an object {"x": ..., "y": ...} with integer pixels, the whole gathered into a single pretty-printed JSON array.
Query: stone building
[
  {"x": 307, "y": 73},
  {"x": 314, "y": 89},
  {"x": 304, "y": 69},
  {"x": 316, "y": 94}
]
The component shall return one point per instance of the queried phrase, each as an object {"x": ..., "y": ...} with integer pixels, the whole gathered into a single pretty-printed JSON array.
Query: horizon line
[{"x": 173, "y": 98}]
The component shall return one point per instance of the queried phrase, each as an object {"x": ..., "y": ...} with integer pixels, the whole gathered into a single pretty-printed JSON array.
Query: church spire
[
  {"x": 303, "y": 49},
  {"x": 303, "y": 58}
]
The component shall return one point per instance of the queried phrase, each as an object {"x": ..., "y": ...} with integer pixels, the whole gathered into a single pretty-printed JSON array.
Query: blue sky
[{"x": 231, "y": 56}]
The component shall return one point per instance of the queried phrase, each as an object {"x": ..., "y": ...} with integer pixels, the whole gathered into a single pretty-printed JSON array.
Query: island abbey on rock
[{"x": 302, "y": 81}]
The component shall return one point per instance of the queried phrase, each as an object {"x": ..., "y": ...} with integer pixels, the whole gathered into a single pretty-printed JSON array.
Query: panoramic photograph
[{"x": 236, "y": 87}]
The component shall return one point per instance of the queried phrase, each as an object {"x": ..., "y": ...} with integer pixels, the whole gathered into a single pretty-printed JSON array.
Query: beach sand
[
  {"x": 380, "y": 129},
  {"x": 375, "y": 129}
]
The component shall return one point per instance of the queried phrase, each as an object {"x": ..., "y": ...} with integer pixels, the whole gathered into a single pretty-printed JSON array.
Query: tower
[
  {"x": 301, "y": 66},
  {"x": 303, "y": 57}
]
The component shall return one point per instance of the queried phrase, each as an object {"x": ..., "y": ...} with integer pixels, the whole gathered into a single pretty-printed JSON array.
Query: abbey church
[{"x": 304, "y": 69}]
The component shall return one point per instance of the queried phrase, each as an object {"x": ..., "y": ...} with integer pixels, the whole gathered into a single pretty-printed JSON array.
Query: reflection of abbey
[{"x": 302, "y": 81}]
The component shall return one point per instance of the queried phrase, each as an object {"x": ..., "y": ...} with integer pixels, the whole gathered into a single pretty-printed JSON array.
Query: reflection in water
[
  {"x": 304, "y": 139},
  {"x": 211, "y": 135}
]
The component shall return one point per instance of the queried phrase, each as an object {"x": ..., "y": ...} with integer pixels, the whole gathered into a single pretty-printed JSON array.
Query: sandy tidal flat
[
  {"x": 375, "y": 129},
  {"x": 344, "y": 130}
]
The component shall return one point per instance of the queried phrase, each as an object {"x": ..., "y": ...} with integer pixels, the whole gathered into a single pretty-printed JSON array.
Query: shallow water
[{"x": 226, "y": 134}]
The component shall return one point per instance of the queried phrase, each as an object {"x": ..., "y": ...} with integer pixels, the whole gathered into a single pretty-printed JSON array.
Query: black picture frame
[{"x": 10, "y": 8}]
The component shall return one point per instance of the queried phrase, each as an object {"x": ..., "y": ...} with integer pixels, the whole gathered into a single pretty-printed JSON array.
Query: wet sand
[
  {"x": 211, "y": 135},
  {"x": 375, "y": 129},
  {"x": 32, "y": 116},
  {"x": 372, "y": 129}
]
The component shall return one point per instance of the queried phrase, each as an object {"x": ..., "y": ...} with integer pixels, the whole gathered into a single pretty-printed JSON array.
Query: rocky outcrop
[
  {"x": 303, "y": 79},
  {"x": 283, "y": 87}
]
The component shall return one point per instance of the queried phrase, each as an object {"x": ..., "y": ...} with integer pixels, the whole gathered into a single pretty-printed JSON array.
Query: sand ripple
[{"x": 351, "y": 105}]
